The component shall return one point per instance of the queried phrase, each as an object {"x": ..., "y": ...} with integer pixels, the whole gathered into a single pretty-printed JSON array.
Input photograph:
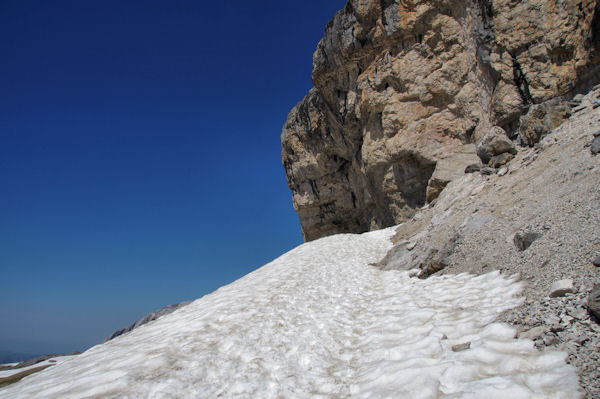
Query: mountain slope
[{"x": 321, "y": 321}]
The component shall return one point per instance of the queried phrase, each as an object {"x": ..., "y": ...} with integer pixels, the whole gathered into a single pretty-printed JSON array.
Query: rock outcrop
[{"x": 402, "y": 86}]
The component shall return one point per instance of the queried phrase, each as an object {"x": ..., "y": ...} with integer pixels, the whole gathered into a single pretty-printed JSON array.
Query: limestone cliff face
[{"x": 405, "y": 88}]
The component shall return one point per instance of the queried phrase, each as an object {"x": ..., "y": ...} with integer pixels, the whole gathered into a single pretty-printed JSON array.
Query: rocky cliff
[{"x": 408, "y": 92}]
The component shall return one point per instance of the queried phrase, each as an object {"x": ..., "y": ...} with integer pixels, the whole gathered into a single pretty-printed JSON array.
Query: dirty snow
[
  {"x": 321, "y": 322},
  {"x": 52, "y": 361}
]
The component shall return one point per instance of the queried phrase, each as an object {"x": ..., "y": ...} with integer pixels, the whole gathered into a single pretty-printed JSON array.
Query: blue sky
[{"x": 140, "y": 157}]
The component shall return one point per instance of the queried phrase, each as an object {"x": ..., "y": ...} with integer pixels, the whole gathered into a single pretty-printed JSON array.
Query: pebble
[
  {"x": 561, "y": 288},
  {"x": 461, "y": 347},
  {"x": 534, "y": 333}
]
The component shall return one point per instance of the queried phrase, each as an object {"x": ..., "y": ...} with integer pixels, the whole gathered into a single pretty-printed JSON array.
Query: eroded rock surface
[{"x": 401, "y": 86}]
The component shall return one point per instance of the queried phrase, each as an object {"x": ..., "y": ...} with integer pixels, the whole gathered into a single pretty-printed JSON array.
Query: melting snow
[
  {"x": 52, "y": 361},
  {"x": 320, "y": 322}
]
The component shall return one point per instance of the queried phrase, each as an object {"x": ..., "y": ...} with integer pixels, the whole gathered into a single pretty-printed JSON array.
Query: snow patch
[{"x": 319, "y": 321}]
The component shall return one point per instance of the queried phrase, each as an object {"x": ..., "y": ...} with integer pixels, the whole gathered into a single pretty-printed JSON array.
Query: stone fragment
[
  {"x": 524, "y": 239},
  {"x": 487, "y": 171},
  {"x": 566, "y": 320},
  {"x": 502, "y": 171},
  {"x": 593, "y": 303},
  {"x": 579, "y": 313},
  {"x": 461, "y": 347},
  {"x": 474, "y": 167},
  {"x": 596, "y": 261},
  {"x": 494, "y": 143},
  {"x": 550, "y": 339},
  {"x": 575, "y": 101},
  {"x": 595, "y": 147},
  {"x": 534, "y": 333},
  {"x": 541, "y": 119},
  {"x": 579, "y": 108},
  {"x": 501, "y": 159},
  {"x": 561, "y": 288}
]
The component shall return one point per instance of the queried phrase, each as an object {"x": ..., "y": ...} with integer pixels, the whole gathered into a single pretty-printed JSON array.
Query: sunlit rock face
[{"x": 403, "y": 85}]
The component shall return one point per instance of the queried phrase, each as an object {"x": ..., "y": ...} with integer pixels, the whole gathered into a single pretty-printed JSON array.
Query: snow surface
[
  {"x": 54, "y": 361},
  {"x": 321, "y": 322}
]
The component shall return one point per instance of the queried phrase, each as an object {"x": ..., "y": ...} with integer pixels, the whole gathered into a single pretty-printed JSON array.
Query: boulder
[
  {"x": 541, "y": 119},
  {"x": 494, "y": 143},
  {"x": 501, "y": 159}
]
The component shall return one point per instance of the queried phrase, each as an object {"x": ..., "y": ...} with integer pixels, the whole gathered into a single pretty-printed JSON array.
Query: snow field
[
  {"x": 52, "y": 361},
  {"x": 319, "y": 321}
]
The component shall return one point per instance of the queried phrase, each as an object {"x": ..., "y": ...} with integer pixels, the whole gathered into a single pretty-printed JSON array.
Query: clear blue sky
[{"x": 140, "y": 157}]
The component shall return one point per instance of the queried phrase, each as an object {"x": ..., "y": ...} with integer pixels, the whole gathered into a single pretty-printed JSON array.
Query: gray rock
[
  {"x": 579, "y": 314},
  {"x": 486, "y": 171},
  {"x": 541, "y": 119},
  {"x": 595, "y": 147},
  {"x": 534, "y": 333},
  {"x": 494, "y": 143},
  {"x": 474, "y": 167},
  {"x": 561, "y": 288},
  {"x": 501, "y": 159},
  {"x": 579, "y": 108},
  {"x": 550, "y": 339},
  {"x": 593, "y": 303},
  {"x": 596, "y": 261},
  {"x": 575, "y": 101},
  {"x": 524, "y": 239}
]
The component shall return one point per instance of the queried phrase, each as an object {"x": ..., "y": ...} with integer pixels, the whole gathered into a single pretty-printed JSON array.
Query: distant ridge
[
  {"x": 146, "y": 319},
  {"x": 14, "y": 357}
]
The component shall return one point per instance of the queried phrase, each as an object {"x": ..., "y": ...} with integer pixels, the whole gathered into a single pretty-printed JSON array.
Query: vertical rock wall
[{"x": 403, "y": 88}]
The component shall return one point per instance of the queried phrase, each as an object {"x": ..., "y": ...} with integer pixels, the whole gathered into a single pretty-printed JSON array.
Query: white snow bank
[{"x": 320, "y": 322}]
